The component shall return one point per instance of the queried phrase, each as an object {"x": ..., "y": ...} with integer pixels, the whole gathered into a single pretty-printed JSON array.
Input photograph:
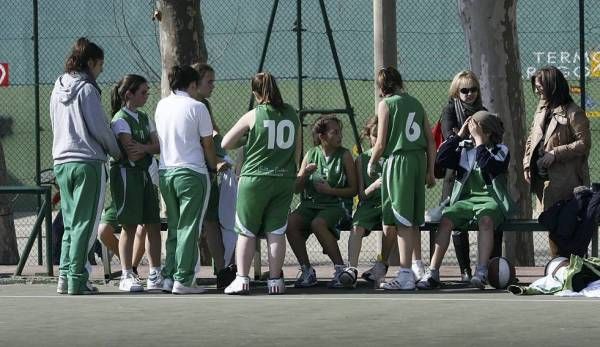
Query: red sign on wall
[{"x": 4, "y": 75}]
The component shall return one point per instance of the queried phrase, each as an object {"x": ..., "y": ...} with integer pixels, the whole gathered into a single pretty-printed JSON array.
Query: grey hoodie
[{"x": 80, "y": 127}]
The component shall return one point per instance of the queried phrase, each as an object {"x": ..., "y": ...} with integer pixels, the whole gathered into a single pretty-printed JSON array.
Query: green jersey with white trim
[
  {"x": 405, "y": 130},
  {"x": 271, "y": 146},
  {"x": 330, "y": 169},
  {"x": 140, "y": 133}
]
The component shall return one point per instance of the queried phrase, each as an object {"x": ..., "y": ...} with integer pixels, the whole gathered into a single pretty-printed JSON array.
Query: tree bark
[
  {"x": 491, "y": 38},
  {"x": 181, "y": 36},
  {"x": 9, "y": 252}
]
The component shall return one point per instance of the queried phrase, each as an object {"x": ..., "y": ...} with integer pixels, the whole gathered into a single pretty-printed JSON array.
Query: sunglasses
[{"x": 467, "y": 90}]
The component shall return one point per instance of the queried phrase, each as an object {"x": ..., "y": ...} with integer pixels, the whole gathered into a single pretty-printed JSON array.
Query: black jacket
[{"x": 572, "y": 222}]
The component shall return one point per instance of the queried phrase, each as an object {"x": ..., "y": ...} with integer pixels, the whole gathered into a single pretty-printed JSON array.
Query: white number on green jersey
[
  {"x": 413, "y": 130},
  {"x": 276, "y": 134}
]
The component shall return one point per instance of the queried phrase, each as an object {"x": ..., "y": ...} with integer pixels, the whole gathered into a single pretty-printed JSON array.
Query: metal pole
[
  {"x": 48, "y": 213},
  {"x": 299, "y": 50},
  {"x": 582, "y": 51},
  {"x": 338, "y": 68},
  {"x": 265, "y": 46},
  {"x": 36, "y": 97}
]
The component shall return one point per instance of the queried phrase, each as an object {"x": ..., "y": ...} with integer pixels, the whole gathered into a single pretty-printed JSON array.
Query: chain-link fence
[{"x": 431, "y": 47}]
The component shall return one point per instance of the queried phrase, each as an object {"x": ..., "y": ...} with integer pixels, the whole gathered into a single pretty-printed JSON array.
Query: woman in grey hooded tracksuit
[{"x": 81, "y": 140}]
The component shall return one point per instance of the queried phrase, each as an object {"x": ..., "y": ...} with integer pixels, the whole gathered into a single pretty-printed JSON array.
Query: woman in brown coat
[{"x": 559, "y": 142}]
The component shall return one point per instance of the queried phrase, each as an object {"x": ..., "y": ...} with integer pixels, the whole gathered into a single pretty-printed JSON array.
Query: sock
[
  {"x": 155, "y": 269},
  {"x": 134, "y": 268},
  {"x": 126, "y": 272}
]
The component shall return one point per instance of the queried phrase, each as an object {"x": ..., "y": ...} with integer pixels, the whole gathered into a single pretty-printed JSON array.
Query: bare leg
[
  {"x": 212, "y": 232},
  {"x": 327, "y": 240},
  {"x": 442, "y": 240},
  {"x": 296, "y": 239},
  {"x": 486, "y": 240},
  {"x": 139, "y": 245},
  {"x": 126, "y": 245},
  {"x": 355, "y": 244},
  {"x": 416, "y": 253},
  {"x": 244, "y": 252},
  {"x": 388, "y": 242},
  {"x": 276, "y": 244},
  {"x": 106, "y": 234},
  {"x": 153, "y": 240},
  {"x": 406, "y": 240}
]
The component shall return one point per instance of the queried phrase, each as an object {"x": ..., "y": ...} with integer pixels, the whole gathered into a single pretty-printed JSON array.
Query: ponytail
[
  {"x": 264, "y": 85},
  {"x": 129, "y": 83},
  {"x": 82, "y": 52}
]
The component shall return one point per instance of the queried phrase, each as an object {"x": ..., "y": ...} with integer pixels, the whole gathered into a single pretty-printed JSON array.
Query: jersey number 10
[{"x": 276, "y": 133}]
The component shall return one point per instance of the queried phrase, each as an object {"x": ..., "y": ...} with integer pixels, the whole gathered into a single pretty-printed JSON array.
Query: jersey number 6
[{"x": 413, "y": 130}]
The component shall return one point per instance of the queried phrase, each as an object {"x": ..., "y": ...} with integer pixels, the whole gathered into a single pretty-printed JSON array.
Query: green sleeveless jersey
[
  {"x": 329, "y": 169},
  {"x": 406, "y": 124},
  {"x": 375, "y": 197},
  {"x": 140, "y": 133},
  {"x": 271, "y": 146}
]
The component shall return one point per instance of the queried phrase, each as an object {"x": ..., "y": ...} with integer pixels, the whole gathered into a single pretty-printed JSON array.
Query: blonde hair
[{"x": 464, "y": 79}]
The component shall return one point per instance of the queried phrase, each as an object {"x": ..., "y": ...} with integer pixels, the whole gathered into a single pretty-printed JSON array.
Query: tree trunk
[
  {"x": 385, "y": 49},
  {"x": 9, "y": 252},
  {"x": 491, "y": 38},
  {"x": 181, "y": 36}
]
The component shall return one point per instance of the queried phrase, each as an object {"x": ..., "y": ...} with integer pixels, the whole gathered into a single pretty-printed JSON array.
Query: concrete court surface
[{"x": 35, "y": 315}]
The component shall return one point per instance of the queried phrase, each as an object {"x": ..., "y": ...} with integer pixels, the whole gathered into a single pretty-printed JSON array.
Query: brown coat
[{"x": 568, "y": 136}]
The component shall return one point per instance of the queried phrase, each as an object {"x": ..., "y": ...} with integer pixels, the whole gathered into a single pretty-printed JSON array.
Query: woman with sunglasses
[{"x": 465, "y": 100}]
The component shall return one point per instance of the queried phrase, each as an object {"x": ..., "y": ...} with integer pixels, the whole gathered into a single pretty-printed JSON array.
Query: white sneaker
[
  {"x": 239, "y": 286},
  {"x": 154, "y": 281},
  {"x": 179, "y": 288},
  {"x": 307, "y": 277},
  {"x": 480, "y": 278},
  {"x": 130, "y": 283},
  {"x": 405, "y": 280},
  {"x": 62, "y": 286},
  {"x": 348, "y": 277},
  {"x": 276, "y": 286},
  {"x": 167, "y": 285},
  {"x": 335, "y": 281},
  {"x": 85, "y": 289},
  {"x": 418, "y": 269},
  {"x": 376, "y": 273}
]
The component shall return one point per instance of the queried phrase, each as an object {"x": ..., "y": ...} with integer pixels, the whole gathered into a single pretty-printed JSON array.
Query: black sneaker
[{"x": 226, "y": 276}]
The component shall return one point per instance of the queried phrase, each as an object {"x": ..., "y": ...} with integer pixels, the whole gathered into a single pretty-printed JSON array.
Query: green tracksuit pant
[
  {"x": 82, "y": 186},
  {"x": 185, "y": 193}
]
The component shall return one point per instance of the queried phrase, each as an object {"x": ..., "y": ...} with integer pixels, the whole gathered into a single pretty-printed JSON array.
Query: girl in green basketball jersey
[
  {"x": 404, "y": 136},
  {"x": 266, "y": 184},
  {"x": 327, "y": 180},
  {"x": 134, "y": 195},
  {"x": 367, "y": 216}
]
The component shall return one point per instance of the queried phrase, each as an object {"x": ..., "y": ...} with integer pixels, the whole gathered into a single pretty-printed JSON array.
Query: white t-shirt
[{"x": 181, "y": 122}]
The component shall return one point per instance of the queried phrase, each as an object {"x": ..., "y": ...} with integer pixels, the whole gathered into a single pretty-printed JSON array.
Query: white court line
[{"x": 288, "y": 298}]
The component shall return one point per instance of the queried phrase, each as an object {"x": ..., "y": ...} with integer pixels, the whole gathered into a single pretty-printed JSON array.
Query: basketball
[
  {"x": 501, "y": 272},
  {"x": 348, "y": 277},
  {"x": 554, "y": 264}
]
